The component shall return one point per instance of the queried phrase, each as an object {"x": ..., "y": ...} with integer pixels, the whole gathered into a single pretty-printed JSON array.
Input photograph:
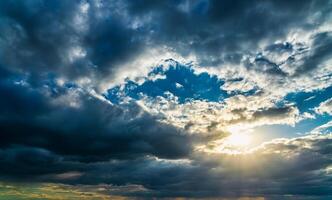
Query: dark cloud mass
[
  {"x": 58, "y": 125},
  {"x": 94, "y": 128}
]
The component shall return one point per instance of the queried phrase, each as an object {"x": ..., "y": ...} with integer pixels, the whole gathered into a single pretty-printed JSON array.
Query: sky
[{"x": 176, "y": 99}]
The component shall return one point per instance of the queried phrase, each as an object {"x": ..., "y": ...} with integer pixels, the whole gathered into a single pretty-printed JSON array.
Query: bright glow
[{"x": 238, "y": 140}]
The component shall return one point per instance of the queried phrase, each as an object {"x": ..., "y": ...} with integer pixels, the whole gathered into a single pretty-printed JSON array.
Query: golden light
[
  {"x": 241, "y": 140},
  {"x": 238, "y": 140}
]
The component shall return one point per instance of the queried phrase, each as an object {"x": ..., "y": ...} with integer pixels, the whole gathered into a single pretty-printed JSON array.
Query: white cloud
[
  {"x": 322, "y": 129},
  {"x": 325, "y": 107},
  {"x": 207, "y": 117}
]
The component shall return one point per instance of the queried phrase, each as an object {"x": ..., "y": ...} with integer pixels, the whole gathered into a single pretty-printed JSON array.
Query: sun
[{"x": 238, "y": 139}]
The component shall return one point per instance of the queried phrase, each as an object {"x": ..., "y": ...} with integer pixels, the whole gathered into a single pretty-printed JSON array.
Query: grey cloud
[
  {"x": 265, "y": 172},
  {"x": 92, "y": 129},
  {"x": 263, "y": 65},
  {"x": 235, "y": 26},
  {"x": 39, "y": 35},
  {"x": 321, "y": 51},
  {"x": 285, "y": 113}
]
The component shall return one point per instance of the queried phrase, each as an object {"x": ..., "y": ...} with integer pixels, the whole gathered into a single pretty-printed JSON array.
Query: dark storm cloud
[
  {"x": 34, "y": 34},
  {"x": 265, "y": 172},
  {"x": 40, "y": 36},
  {"x": 29, "y": 163},
  {"x": 92, "y": 129}
]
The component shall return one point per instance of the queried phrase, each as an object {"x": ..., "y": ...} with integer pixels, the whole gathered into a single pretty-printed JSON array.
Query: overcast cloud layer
[{"x": 137, "y": 99}]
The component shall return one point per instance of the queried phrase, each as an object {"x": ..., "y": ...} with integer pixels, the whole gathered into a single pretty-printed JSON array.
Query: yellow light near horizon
[{"x": 238, "y": 140}]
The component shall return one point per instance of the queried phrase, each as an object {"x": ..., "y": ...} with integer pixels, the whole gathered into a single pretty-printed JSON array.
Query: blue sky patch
[
  {"x": 308, "y": 100},
  {"x": 180, "y": 80}
]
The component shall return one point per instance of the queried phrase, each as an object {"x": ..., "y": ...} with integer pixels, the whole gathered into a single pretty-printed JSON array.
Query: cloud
[
  {"x": 72, "y": 39},
  {"x": 78, "y": 39},
  {"x": 261, "y": 172},
  {"x": 210, "y": 28},
  {"x": 322, "y": 43},
  {"x": 70, "y": 121},
  {"x": 202, "y": 102},
  {"x": 325, "y": 107},
  {"x": 325, "y": 128},
  {"x": 135, "y": 98},
  {"x": 96, "y": 142}
]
